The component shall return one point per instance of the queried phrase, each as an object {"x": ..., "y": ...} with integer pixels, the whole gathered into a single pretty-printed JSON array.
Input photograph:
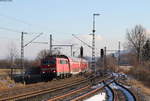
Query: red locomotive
[{"x": 62, "y": 66}]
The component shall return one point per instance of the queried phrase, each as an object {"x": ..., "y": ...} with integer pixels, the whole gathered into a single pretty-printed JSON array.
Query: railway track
[
  {"x": 88, "y": 91},
  {"x": 69, "y": 90},
  {"x": 81, "y": 93},
  {"x": 37, "y": 89},
  {"x": 138, "y": 96},
  {"x": 70, "y": 94},
  {"x": 44, "y": 91},
  {"x": 129, "y": 96},
  {"x": 121, "y": 93}
]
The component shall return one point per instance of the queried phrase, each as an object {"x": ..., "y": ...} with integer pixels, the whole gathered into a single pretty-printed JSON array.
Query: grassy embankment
[
  {"x": 141, "y": 77},
  {"x": 5, "y": 80}
]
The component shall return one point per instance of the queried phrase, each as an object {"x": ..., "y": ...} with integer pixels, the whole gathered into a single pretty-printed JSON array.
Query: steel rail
[
  {"x": 115, "y": 95},
  {"x": 31, "y": 86},
  {"x": 116, "y": 98},
  {"x": 68, "y": 94},
  {"x": 87, "y": 95},
  {"x": 39, "y": 92},
  {"x": 75, "y": 91},
  {"x": 130, "y": 92}
]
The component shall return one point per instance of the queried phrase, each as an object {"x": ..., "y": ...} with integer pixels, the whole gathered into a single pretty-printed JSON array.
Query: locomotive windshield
[{"x": 49, "y": 62}]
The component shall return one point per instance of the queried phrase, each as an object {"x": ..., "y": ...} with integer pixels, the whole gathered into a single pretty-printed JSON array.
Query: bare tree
[
  {"x": 112, "y": 63},
  {"x": 146, "y": 51},
  {"x": 136, "y": 39},
  {"x": 12, "y": 54},
  {"x": 44, "y": 53}
]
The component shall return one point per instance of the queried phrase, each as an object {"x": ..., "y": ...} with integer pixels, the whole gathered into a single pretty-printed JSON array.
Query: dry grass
[
  {"x": 7, "y": 71},
  {"x": 5, "y": 81},
  {"x": 140, "y": 85},
  {"x": 4, "y": 71}
]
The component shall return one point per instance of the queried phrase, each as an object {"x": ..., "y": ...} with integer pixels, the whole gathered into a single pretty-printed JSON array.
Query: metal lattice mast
[
  {"x": 22, "y": 48},
  {"x": 22, "y": 52},
  {"x": 93, "y": 43},
  {"x": 119, "y": 53},
  {"x": 50, "y": 45}
]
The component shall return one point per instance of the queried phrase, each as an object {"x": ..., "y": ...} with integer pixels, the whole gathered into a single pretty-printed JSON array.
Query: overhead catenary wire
[
  {"x": 22, "y": 21},
  {"x": 97, "y": 50},
  {"x": 16, "y": 31},
  {"x": 15, "y": 19},
  {"x": 82, "y": 41},
  {"x": 10, "y": 30},
  {"x": 33, "y": 39}
]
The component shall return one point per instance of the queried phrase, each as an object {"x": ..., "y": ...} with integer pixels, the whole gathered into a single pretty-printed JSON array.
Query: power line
[
  {"x": 15, "y": 19},
  {"x": 33, "y": 39},
  {"x": 8, "y": 38},
  {"x": 18, "y": 20},
  {"x": 82, "y": 41},
  {"x": 23, "y": 22},
  {"x": 10, "y": 30},
  {"x": 16, "y": 31},
  {"x": 85, "y": 43}
]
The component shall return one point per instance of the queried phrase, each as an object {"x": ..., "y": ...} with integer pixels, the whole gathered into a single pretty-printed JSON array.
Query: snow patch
[{"x": 98, "y": 97}]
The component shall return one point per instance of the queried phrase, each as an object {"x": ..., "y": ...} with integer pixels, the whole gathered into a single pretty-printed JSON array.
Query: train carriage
[
  {"x": 78, "y": 65},
  {"x": 62, "y": 66}
]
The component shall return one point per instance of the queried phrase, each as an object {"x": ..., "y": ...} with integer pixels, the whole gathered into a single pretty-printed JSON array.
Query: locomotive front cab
[{"x": 48, "y": 68}]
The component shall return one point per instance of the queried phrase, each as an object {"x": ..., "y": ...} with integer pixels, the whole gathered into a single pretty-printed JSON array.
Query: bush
[{"x": 141, "y": 73}]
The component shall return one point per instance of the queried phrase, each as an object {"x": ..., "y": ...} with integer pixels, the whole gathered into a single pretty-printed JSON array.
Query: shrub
[{"x": 141, "y": 73}]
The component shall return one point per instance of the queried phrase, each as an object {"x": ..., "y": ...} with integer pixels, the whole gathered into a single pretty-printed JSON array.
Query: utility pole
[
  {"x": 119, "y": 53},
  {"x": 22, "y": 51},
  {"x": 22, "y": 55},
  {"x": 71, "y": 49},
  {"x": 22, "y": 46},
  {"x": 93, "y": 43},
  {"x": 50, "y": 45}
]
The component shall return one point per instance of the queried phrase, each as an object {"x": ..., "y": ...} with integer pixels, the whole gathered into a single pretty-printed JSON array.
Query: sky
[{"x": 62, "y": 18}]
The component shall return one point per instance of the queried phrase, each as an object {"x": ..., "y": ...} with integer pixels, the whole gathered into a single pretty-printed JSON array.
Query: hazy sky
[{"x": 62, "y": 18}]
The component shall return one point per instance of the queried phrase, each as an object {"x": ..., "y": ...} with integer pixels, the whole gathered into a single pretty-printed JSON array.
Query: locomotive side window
[{"x": 63, "y": 62}]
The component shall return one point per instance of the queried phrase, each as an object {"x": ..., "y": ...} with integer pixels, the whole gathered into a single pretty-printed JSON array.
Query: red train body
[{"x": 62, "y": 66}]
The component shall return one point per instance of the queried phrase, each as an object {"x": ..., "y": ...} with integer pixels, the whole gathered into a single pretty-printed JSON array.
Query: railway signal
[
  {"x": 81, "y": 51},
  {"x": 102, "y": 53}
]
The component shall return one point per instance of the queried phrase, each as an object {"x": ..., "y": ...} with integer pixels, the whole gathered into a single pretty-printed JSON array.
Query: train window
[
  {"x": 48, "y": 62},
  {"x": 63, "y": 62}
]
